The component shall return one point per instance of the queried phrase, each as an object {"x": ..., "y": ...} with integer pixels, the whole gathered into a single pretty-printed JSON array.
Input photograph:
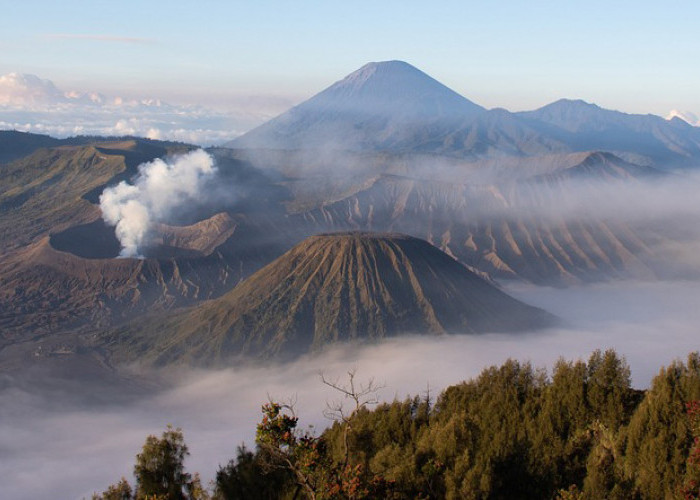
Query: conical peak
[
  {"x": 391, "y": 89},
  {"x": 381, "y": 105},
  {"x": 394, "y": 63},
  {"x": 384, "y": 69},
  {"x": 359, "y": 235},
  {"x": 352, "y": 242},
  {"x": 337, "y": 287},
  {"x": 394, "y": 78}
]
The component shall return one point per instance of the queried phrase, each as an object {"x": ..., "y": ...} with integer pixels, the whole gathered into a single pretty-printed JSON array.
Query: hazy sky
[{"x": 636, "y": 56}]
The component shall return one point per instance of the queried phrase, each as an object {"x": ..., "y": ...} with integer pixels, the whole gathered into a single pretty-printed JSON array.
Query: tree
[
  {"x": 307, "y": 458},
  {"x": 279, "y": 440},
  {"x": 160, "y": 473},
  {"x": 604, "y": 474},
  {"x": 510, "y": 433},
  {"x": 247, "y": 478},
  {"x": 361, "y": 396},
  {"x": 609, "y": 393},
  {"x": 658, "y": 438},
  {"x": 691, "y": 485},
  {"x": 120, "y": 491},
  {"x": 160, "y": 470}
]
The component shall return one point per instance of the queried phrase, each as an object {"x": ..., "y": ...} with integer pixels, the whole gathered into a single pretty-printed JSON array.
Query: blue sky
[{"x": 633, "y": 56}]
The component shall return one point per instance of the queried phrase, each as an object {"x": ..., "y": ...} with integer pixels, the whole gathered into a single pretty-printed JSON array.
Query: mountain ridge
[{"x": 393, "y": 106}]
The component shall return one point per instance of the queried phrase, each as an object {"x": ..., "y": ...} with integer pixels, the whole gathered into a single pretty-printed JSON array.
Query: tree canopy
[{"x": 515, "y": 431}]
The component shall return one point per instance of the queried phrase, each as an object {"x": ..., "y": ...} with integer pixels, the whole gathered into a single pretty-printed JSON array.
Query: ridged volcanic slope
[{"x": 332, "y": 288}]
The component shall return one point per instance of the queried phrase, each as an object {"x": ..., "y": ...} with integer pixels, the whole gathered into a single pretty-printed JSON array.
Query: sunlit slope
[
  {"x": 44, "y": 290},
  {"x": 547, "y": 229},
  {"x": 58, "y": 265},
  {"x": 52, "y": 189},
  {"x": 327, "y": 289}
]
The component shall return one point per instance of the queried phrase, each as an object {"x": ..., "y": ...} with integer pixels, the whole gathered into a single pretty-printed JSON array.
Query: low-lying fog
[{"x": 69, "y": 450}]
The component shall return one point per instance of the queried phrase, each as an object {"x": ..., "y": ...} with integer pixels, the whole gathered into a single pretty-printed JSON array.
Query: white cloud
[
  {"x": 686, "y": 116},
  {"x": 28, "y": 90},
  {"x": 31, "y": 104}
]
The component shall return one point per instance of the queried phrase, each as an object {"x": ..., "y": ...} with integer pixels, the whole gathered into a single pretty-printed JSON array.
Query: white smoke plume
[{"x": 159, "y": 188}]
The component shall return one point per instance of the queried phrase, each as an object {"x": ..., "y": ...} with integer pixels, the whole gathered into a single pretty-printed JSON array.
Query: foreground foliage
[{"x": 513, "y": 432}]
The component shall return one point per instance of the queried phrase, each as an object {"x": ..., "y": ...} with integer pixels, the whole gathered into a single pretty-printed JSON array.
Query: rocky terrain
[
  {"x": 328, "y": 289},
  {"x": 540, "y": 197}
]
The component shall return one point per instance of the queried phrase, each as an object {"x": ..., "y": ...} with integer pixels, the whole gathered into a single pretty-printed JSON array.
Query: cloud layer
[
  {"x": 32, "y": 104},
  {"x": 77, "y": 448},
  {"x": 160, "y": 187}
]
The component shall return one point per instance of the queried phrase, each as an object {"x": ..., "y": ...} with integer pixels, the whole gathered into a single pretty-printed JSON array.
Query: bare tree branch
[{"x": 362, "y": 395}]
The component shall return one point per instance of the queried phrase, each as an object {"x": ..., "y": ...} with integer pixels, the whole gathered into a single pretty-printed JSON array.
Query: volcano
[
  {"x": 327, "y": 289},
  {"x": 383, "y": 105},
  {"x": 391, "y": 106}
]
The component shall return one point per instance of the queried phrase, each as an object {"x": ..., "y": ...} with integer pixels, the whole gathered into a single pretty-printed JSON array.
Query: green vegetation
[
  {"x": 160, "y": 472},
  {"x": 512, "y": 432}
]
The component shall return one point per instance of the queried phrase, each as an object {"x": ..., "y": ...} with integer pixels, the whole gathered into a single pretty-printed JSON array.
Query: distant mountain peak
[
  {"x": 400, "y": 70},
  {"x": 393, "y": 63},
  {"x": 573, "y": 102},
  {"x": 572, "y": 105},
  {"x": 575, "y": 115},
  {"x": 372, "y": 68},
  {"x": 380, "y": 105},
  {"x": 393, "y": 88},
  {"x": 394, "y": 107}
]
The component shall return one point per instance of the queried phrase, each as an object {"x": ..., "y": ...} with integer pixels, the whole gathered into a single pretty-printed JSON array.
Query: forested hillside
[{"x": 515, "y": 431}]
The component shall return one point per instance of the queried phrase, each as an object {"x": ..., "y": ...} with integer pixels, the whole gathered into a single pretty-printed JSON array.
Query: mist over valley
[{"x": 387, "y": 224}]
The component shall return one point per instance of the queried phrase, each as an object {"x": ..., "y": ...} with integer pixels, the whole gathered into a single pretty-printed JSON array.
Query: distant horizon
[
  {"x": 32, "y": 103},
  {"x": 628, "y": 56},
  {"x": 234, "y": 99},
  {"x": 287, "y": 88}
]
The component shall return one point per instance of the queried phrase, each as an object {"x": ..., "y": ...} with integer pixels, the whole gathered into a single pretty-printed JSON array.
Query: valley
[{"x": 387, "y": 221}]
